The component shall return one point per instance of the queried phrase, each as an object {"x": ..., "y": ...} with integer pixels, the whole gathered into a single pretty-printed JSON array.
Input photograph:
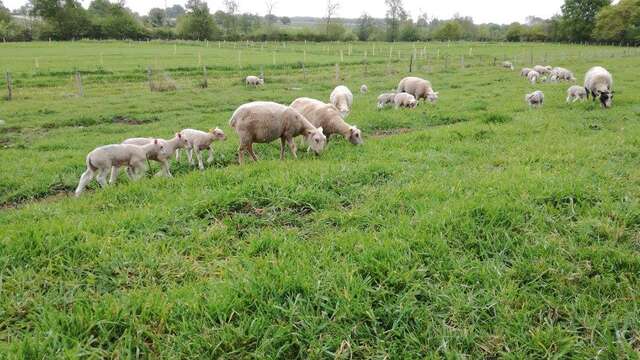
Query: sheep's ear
[{"x": 155, "y": 141}]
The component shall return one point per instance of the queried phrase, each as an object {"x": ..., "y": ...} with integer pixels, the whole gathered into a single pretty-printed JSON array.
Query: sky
[{"x": 482, "y": 11}]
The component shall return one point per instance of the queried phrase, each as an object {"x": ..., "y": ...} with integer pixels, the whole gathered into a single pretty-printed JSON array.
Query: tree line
[{"x": 579, "y": 21}]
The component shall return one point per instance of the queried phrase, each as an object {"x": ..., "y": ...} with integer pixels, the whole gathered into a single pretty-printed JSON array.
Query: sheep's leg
[
  {"x": 138, "y": 170},
  {"x": 102, "y": 177},
  {"x": 164, "y": 168},
  {"x": 210, "y": 159},
  {"x": 114, "y": 174},
  {"x": 199, "y": 156},
  {"x": 86, "y": 177},
  {"x": 190, "y": 156},
  {"x": 250, "y": 150},
  {"x": 282, "y": 142},
  {"x": 177, "y": 155},
  {"x": 241, "y": 154},
  {"x": 292, "y": 147}
]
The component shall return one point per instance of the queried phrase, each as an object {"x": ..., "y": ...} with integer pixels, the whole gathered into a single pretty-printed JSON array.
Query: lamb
[
  {"x": 364, "y": 89},
  {"x": 419, "y": 88},
  {"x": 386, "y": 99},
  {"x": 405, "y": 100},
  {"x": 263, "y": 122},
  {"x": 543, "y": 70},
  {"x": 327, "y": 117},
  {"x": 535, "y": 99},
  {"x": 254, "y": 81},
  {"x": 559, "y": 74},
  {"x": 170, "y": 147},
  {"x": 103, "y": 158},
  {"x": 525, "y": 72},
  {"x": 576, "y": 93},
  {"x": 199, "y": 140},
  {"x": 508, "y": 65},
  {"x": 599, "y": 83},
  {"x": 342, "y": 98},
  {"x": 533, "y": 76}
]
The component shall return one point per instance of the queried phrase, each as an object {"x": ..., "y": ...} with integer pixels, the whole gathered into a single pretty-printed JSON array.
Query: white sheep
[
  {"x": 535, "y": 99},
  {"x": 560, "y": 74},
  {"x": 197, "y": 141},
  {"x": 386, "y": 99},
  {"x": 103, "y": 158},
  {"x": 599, "y": 83},
  {"x": 170, "y": 147},
  {"x": 576, "y": 93},
  {"x": 533, "y": 76},
  {"x": 543, "y": 70},
  {"x": 405, "y": 100},
  {"x": 364, "y": 89},
  {"x": 525, "y": 72},
  {"x": 263, "y": 122},
  {"x": 508, "y": 65},
  {"x": 254, "y": 81},
  {"x": 419, "y": 88},
  {"x": 342, "y": 98},
  {"x": 327, "y": 117}
]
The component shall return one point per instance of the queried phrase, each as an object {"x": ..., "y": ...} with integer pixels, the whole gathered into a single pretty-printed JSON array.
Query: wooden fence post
[
  {"x": 79, "y": 83},
  {"x": 205, "y": 79},
  {"x": 9, "y": 86},
  {"x": 150, "y": 77}
]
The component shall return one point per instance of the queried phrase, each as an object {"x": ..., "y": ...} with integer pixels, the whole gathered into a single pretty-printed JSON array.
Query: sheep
[
  {"x": 508, "y": 65},
  {"x": 419, "y": 88},
  {"x": 103, "y": 158},
  {"x": 525, "y": 72},
  {"x": 342, "y": 98},
  {"x": 364, "y": 89},
  {"x": 254, "y": 81},
  {"x": 405, "y": 100},
  {"x": 263, "y": 122},
  {"x": 535, "y": 99},
  {"x": 386, "y": 99},
  {"x": 543, "y": 70},
  {"x": 560, "y": 74},
  {"x": 599, "y": 83},
  {"x": 533, "y": 76},
  {"x": 576, "y": 93},
  {"x": 199, "y": 140},
  {"x": 327, "y": 117},
  {"x": 170, "y": 146}
]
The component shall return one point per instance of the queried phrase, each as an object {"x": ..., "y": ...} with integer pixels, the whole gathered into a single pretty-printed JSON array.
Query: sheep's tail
[
  {"x": 234, "y": 118},
  {"x": 90, "y": 165}
]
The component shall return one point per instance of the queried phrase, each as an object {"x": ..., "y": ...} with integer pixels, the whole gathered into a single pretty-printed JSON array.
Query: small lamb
[
  {"x": 405, "y": 100},
  {"x": 599, "y": 83},
  {"x": 342, "y": 98},
  {"x": 199, "y": 140},
  {"x": 576, "y": 93},
  {"x": 535, "y": 99},
  {"x": 254, "y": 81},
  {"x": 533, "y": 76},
  {"x": 263, "y": 122},
  {"x": 386, "y": 99},
  {"x": 525, "y": 72},
  {"x": 560, "y": 74},
  {"x": 419, "y": 88},
  {"x": 103, "y": 158},
  {"x": 543, "y": 70},
  {"x": 327, "y": 118},
  {"x": 364, "y": 89},
  {"x": 508, "y": 65},
  {"x": 170, "y": 147}
]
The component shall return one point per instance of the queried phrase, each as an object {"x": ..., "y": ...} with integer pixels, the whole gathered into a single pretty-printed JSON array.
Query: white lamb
[
  {"x": 576, "y": 93},
  {"x": 419, "y": 88},
  {"x": 103, "y": 158},
  {"x": 170, "y": 147},
  {"x": 535, "y": 99},
  {"x": 561, "y": 74},
  {"x": 533, "y": 76},
  {"x": 508, "y": 65},
  {"x": 364, "y": 89},
  {"x": 599, "y": 83},
  {"x": 198, "y": 141},
  {"x": 327, "y": 118},
  {"x": 386, "y": 99},
  {"x": 525, "y": 72},
  {"x": 543, "y": 70},
  {"x": 254, "y": 81},
  {"x": 405, "y": 100},
  {"x": 263, "y": 122},
  {"x": 342, "y": 98}
]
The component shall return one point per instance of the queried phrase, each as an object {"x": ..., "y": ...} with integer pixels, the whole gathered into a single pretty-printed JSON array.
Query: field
[{"x": 474, "y": 227}]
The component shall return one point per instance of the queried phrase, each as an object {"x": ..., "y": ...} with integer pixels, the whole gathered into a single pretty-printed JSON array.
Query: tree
[
  {"x": 198, "y": 23},
  {"x": 579, "y": 17},
  {"x": 271, "y": 19},
  {"x": 66, "y": 19},
  {"x": 5, "y": 15},
  {"x": 450, "y": 30},
  {"x": 157, "y": 17},
  {"x": 175, "y": 12},
  {"x": 619, "y": 22},
  {"x": 332, "y": 9},
  {"x": 113, "y": 21},
  {"x": 365, "y": 27},
  {"x": 515, "y": 32},
  {"x": 395, "y": 15},
  {"x": 285, "y": 20}
]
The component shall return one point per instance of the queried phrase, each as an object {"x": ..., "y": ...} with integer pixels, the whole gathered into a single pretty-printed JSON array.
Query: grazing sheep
[
  {"x": 543, "y": 70},
  {"x": 599, "y": 83},
  {"x": 170, "y": 147},
  {"x": 199, "y": 140},
  {"x": 386, "y": 99},
  {"x": 525, "y": 72},
  {"x": 103, "y": 158},
  {"x": 419, "y": 88},
  {"x": 560, "y": 74},
  {"x": 535, "y": 99},
  {"x": 342, "y": 98},
  {"x": 533, "y": 76},
  {"x": 254, "y": 81},
  {"x": 263, "y": 122},
  {"x": 508, "y": 65},
  {"x": 405, "y": 100},
  {"x": 364, "y": 89},
  {"x": 327, "y": 118},
  {"x": 576, "y": 93}
]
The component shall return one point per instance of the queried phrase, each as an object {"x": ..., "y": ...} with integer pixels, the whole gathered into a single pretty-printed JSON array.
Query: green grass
[{"x": 475, "y": 227}]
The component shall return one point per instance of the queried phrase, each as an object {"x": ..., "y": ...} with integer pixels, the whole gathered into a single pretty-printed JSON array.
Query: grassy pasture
[{"x": 475, "y": 227}]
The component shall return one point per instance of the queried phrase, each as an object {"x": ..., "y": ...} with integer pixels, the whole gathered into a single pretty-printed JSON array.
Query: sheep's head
[
  {"x": 355, "y": 136},
  {"x": 344, "y": 112},
  {"x": 432, "y": 97},
  {"x": 182, "y": 141},
  {"x": 606, "y": 98},
  {"x": 413, "y": 104},
  {"x": 316, "y": 140},
  {"x": 160, "y": 147},
  {"x": 218, "y": 134},
  {"x": 260, "y": 81}
]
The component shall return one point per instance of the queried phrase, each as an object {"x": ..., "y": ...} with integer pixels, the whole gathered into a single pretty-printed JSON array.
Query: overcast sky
[{"x": 482, "y": 11}]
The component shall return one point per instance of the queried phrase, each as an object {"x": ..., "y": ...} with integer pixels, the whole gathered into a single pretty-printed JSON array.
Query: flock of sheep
[
  {"x": 598, "y": 83},
  {"x": 314, "y": 120}
]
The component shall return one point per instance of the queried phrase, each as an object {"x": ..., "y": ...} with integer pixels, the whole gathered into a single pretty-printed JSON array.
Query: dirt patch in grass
[
  {"x": 390, "y": 132},
  {"x": 123, "y": 119}
]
